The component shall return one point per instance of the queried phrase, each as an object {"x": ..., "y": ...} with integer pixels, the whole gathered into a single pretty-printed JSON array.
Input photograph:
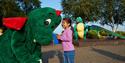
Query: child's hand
[{"x": 58, "y": 37}]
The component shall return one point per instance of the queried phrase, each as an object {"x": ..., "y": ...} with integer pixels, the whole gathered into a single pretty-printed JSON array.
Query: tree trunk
[
  {"x": 117, "y": 27},
  {"x": 113, "y": 24}
]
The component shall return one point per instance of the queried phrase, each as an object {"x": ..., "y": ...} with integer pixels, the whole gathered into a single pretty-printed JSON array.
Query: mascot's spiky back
[{"x": 21, "y": 43}]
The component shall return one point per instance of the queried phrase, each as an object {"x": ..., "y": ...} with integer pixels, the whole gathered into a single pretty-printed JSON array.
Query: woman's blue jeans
[{"x": 69, "y": 56}]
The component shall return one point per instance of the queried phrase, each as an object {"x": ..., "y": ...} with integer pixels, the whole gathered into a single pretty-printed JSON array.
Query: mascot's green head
[
  {"x": 40, "y": 24},
  {"x": 79, "y": 19}
]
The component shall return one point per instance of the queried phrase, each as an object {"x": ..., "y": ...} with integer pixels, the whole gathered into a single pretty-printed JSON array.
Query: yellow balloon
[{"x": 80, "y": 30}]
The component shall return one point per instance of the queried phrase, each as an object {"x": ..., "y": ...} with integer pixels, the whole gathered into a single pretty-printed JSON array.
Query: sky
[{"x": 56, "y": 4}]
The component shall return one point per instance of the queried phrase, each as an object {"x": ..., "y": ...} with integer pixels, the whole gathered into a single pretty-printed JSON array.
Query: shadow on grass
[
  {"x": 109, "y": 54},
  {"x": 51, "y": 54}
]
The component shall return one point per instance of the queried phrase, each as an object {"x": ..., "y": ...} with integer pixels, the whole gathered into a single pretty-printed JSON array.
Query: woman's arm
[{"x": 66, "y": 37}]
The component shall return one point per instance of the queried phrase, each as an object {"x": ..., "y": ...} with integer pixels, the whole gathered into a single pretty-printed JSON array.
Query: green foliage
[
  {"x": 112, "y": 12},
  {"x": 109, "y": 12},
  {"x": 86, "y": 9},
  {"x": 28, "y": 5},
  {"x": 9, "y": 8},
  {"x": 92, "y": 34},
  {"x": 13, "y": 8}
]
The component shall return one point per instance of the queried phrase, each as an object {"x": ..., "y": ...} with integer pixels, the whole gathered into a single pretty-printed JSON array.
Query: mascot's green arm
[{"x": 20, "y": 50}]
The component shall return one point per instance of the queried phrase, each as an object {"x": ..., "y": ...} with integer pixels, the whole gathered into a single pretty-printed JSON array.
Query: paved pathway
[{"x": 88, "y": 54}]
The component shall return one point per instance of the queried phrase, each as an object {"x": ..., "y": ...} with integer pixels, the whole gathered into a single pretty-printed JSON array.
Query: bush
[{"x": 92, "y": 34}]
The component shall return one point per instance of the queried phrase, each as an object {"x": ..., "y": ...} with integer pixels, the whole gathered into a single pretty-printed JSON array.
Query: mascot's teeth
[{"x": 34, "y": 40}]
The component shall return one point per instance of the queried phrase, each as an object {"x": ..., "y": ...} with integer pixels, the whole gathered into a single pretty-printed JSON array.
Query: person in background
[
  {"x": 1, "y": 31},
  {"x": 67, "y": 39}
]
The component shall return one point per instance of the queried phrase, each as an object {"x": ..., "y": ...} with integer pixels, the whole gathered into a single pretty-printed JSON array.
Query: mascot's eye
[{"x": 47, "y": 22}]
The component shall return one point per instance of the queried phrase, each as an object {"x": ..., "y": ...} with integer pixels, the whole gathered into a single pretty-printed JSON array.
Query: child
[{"x": 66, "y": 38}]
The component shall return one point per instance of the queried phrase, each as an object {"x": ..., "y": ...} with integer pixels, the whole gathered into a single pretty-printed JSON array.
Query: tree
[
  {"x": 9, "y": 8},
  {"x": 13, "y": 8},
  {"x": 17, "y": 7},
  {"x": 110, "y": 12},
  {"x": 113, "y": 13},
  {"x": 28, "y": 5},
  {"x": 83, "y": 8}
]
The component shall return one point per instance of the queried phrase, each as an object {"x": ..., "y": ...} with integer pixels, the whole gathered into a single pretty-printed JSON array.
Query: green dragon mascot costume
[
  {"x": 21, "y": 42},
  {"x": 79, "y": 29}
]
